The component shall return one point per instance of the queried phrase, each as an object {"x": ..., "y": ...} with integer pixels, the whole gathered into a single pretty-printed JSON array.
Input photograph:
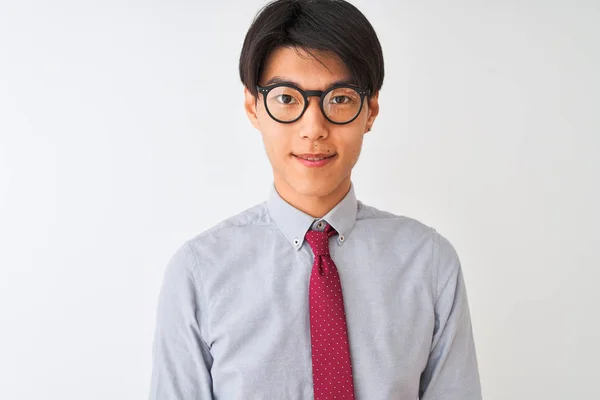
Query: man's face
[{"x": 313, "y": 135}]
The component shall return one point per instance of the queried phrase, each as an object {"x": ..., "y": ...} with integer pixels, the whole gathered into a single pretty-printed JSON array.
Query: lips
[
  {"x": 314, "y": 157},
  {"x": 314, "y": 160}
]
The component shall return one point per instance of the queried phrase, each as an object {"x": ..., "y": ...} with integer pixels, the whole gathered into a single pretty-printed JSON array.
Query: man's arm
[
  {"x": 181, "y": 358},
  {"x": 451, "y": 372}
]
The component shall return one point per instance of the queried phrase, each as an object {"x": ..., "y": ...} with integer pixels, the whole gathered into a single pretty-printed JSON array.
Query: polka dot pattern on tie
[{"x": 332, "y": 368}]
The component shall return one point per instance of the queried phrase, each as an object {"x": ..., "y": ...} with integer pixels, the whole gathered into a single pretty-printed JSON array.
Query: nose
[{"x": 313, "y": 122}]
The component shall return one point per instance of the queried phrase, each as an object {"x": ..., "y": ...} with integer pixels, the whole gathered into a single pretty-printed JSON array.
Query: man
[{"x": 313, "y": 294}]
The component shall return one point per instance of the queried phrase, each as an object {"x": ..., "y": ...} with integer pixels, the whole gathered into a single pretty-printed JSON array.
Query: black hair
[{"x": 334, "y": 26}]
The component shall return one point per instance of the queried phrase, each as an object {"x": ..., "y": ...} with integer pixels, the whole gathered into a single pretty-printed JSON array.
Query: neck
[{"x": 317, "y": 206}]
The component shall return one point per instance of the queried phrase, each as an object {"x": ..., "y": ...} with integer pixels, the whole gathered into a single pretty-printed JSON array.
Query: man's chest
[{"x": 258, "y": 324}]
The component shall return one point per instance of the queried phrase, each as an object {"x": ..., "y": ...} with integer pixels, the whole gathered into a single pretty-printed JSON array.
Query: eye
[
  {"x": 340, "y": 99},
  {"x": 286, "y": 99}
]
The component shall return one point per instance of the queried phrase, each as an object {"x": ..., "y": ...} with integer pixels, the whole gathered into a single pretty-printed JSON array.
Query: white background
[{"x": 122, "y": 134}]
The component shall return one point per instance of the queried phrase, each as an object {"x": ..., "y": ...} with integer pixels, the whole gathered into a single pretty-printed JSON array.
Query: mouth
[{"x": 315, "y": 160}]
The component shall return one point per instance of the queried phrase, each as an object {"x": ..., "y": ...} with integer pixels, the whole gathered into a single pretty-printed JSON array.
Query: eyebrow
[{"x": 278, "y": 79}]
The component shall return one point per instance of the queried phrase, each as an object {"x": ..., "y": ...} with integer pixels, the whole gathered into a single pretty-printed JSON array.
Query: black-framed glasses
[{"x": 287, "y": 103}]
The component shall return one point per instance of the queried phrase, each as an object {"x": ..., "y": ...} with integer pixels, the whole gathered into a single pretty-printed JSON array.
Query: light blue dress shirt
[{"x": 233, "y": 319}]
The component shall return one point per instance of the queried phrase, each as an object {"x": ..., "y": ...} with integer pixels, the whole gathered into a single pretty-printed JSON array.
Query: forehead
[{"x": 313, "y": 69}]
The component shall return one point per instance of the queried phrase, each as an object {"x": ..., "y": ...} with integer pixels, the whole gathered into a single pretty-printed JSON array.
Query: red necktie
[{"x": 332, "y": 370}]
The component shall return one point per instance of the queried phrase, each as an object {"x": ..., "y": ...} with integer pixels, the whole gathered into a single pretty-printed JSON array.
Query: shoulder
[
  {"x": 408, "y": 233},
  {"x": 253, "y": 217},
  {"x": 393, "y": 224},
  {"x": 220, "y": 238}
]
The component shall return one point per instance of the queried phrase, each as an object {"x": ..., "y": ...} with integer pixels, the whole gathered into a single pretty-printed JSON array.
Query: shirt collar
[{"x": 294, "y": 223}]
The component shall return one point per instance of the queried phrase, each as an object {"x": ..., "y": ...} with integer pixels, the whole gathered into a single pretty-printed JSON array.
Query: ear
[
  {"x": 373, "y": 103},
  {"x": 250, "y": 103}
]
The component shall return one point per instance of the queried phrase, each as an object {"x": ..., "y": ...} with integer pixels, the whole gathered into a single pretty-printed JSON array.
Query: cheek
[
  {"x": 351, "y": 137},
  {"x": 356, "y": 145},
  {"x": 275, "y": 139},
  {"x": 352, "y": 147}
]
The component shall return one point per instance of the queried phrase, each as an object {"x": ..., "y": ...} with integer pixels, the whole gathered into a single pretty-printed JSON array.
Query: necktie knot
[{"x": 319, "y": 240}]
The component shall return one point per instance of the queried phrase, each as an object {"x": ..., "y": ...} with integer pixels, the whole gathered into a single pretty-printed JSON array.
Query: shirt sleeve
[
  {"x": 451, "y": 372},
  {"x": 181, "y": 358}
]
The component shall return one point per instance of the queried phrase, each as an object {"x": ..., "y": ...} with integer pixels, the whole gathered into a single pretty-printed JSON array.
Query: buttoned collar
[{"x": 294, "y": 223}]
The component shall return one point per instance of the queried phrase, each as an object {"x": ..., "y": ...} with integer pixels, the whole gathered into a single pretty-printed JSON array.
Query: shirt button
[
  {"x": 320, "y": 225},
  {"x": 342, "y": 238},
  {"x": 296, "y": 242}
]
